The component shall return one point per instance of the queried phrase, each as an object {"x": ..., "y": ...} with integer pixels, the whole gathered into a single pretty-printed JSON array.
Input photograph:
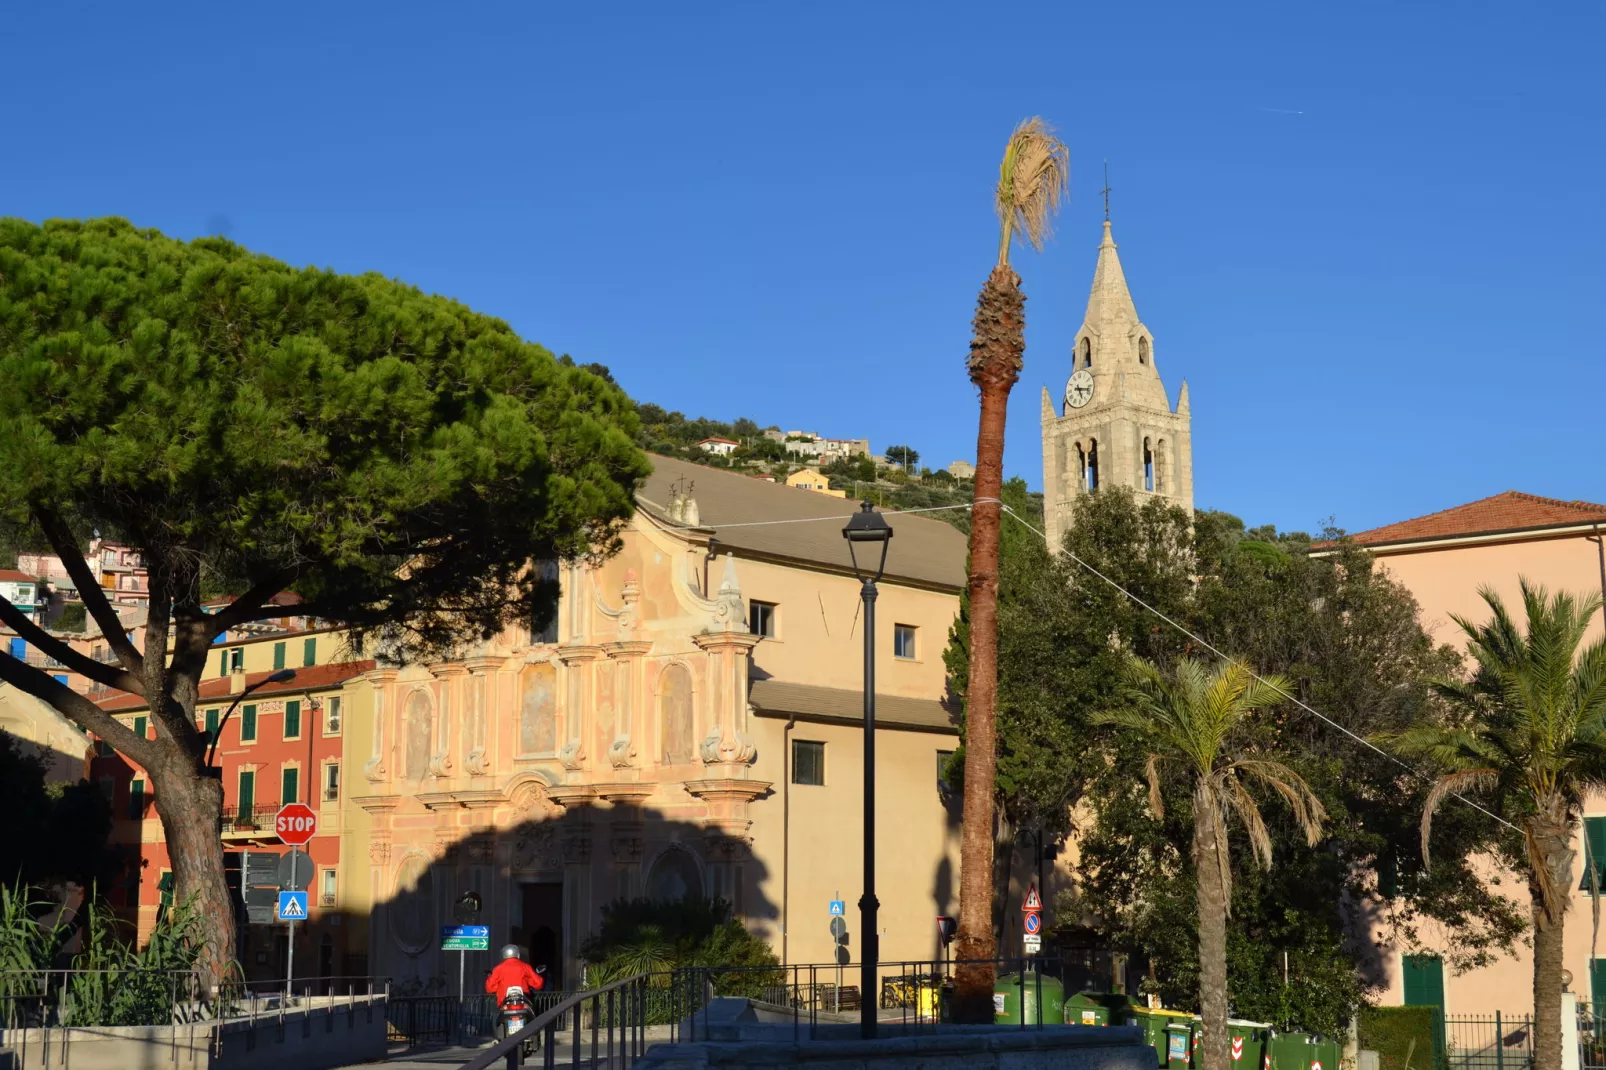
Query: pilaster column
[
  {"x": 377, "y": 767},
  {"x": 728, "y": 748},
  {"x": 476, "y": 739},
  {"x": 577, "y": 693},
  {"x": 626, "y": 833},
  {"x": 578, "y": 802},
  {"x": 629, "y": 688},
  {"x": 727, "y": 832}
]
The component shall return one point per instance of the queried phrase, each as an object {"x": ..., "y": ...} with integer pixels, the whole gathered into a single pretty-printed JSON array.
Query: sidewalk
[{"x": 441, "y": 1058}]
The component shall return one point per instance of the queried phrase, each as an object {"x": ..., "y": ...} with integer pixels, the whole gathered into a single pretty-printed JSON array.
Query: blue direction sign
[
  {"x": 838, "y": 908},
  {"x": 292, "y": 906},
  {"x": 1033, "y": 923},
  {"x": 465, "y": 937}
]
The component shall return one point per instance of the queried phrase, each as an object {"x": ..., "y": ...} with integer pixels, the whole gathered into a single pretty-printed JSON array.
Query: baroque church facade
[{"x": 1114, "y": 425}]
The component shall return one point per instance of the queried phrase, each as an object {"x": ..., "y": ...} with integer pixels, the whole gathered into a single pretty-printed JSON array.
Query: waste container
[
  {"x": 1178, "y": 1036},
  {"x": 1084, "y": 1008},
  {"x": 1291, "y": 1051},
  {"x": 932, "y": 998},
  {"x": 1155, "y": 1024},
  {"x": 1324, "y": 1054},
  {"x": 1247, "y": 1044},
  {"x": 1013, "y": 990}
]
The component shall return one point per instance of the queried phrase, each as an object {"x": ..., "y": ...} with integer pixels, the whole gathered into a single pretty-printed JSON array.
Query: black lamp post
[
  {"x": 280, "y": 677},
  {"x": 869, "y": 529}
]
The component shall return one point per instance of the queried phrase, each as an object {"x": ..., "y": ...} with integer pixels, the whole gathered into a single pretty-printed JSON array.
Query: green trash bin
[
  {"x": 1247, "y": 1044},
  {"x": 1010, "y": 991},
  {"x": 1291, "y": 1051},
  {"x": 1324, "y": 1054},
  {"x": 1178, "y": 1041},
  {"x": 1157, "y": 1026},
  {"x": 1084, "y": 1008}
]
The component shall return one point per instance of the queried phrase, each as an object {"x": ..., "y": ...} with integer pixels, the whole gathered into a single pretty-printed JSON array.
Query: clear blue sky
[{"x": 1370, "y": 236}]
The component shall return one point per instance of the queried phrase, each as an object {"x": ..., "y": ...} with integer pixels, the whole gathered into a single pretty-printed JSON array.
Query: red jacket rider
[{"x": 509, "y": 972}]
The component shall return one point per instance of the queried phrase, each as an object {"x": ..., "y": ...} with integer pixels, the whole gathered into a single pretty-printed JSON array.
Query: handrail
[{"x": 545, "y": 1025}]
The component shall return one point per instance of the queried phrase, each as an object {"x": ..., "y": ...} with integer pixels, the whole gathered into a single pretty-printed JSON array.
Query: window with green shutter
[
  {"x": 248, "y": 793},
  {"x": 278, "y": 656},
  {"x": 1597, "y": 980},
  {"x": 211, "y": 725},
  {"x": 248, "y": 724},
  {"x": 136, "y": 799},
  {"x": 140, "y": 724},
  {"x": 1424, "y": 981},
  {"x": 223, "y": 663},
  {"x": 164, "y": 887},
  {"x": 309, "y": 652},
  {"x": 292, "y": 719},
  {"x": 289, "y": 785},
  {"x": 1594, "y": 853}
]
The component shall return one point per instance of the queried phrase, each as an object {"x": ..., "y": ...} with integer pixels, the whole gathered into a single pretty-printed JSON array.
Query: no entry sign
[{"x": 295, "y": 824}]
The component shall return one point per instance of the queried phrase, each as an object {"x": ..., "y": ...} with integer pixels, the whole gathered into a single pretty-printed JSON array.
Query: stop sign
[{"x": 295, "y": 824}]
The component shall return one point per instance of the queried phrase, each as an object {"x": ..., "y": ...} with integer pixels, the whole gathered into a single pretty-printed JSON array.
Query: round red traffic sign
[{"x": 295, "y": 824}]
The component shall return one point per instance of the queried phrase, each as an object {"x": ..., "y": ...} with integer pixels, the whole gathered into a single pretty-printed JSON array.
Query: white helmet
[{"x": 511, "y": 951}]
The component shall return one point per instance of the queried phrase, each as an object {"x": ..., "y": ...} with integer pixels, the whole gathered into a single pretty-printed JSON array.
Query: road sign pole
[{"x": 290, "y": 959}]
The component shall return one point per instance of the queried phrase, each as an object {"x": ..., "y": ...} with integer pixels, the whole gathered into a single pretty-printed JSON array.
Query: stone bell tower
[{"x": 1114, "y": 424}]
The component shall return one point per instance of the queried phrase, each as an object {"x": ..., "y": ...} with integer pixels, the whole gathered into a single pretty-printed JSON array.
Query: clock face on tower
[{"x": 1079, "y": 389}]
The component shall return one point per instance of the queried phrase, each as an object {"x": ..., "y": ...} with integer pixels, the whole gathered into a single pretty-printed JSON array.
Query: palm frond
[
  {"x": 1033, "y": 179},
  {"x": 1447, "y": 785},
  {"x": 1308, "y": 811}
]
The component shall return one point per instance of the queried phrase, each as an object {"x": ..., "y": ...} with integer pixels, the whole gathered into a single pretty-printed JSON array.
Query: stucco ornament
[
  {"x": 622, "y": 752},
  {"x": 730, "y": 609}
]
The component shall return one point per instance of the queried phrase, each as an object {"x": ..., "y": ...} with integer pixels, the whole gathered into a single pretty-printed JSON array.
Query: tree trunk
[
  {"x": 1211, "y": 899},
  {"x": 190, "y": 807},
  {"x": 1550, "y": 836},
  {"x": 996, "y": 348}
]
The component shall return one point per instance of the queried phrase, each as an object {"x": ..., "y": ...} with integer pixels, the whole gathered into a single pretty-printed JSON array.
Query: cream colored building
[
  {"x": 1443, "y": 559},
  {"x": 811, "y": 479},
  {"x": 43, "y": 733},
  {"x": 690, "y": 723},
  {"x": 1114, "y": 425}
]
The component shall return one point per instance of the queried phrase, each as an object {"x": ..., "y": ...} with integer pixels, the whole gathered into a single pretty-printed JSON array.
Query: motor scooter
[{"x": 515, "y": 1014}]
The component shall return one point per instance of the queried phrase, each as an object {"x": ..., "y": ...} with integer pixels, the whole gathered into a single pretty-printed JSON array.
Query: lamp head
[{"x": 868, "y": 529}]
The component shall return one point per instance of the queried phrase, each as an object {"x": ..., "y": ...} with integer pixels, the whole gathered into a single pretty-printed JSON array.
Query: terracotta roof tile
[
  {"x": 1510, "y": 511},
  {"x": 218, "y": 688},
  {"x": 11, "y": 575}
]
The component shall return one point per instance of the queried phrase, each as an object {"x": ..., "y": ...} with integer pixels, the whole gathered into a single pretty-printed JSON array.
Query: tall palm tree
[
  {"x": 1031, "y": 183},
  {"x": 1194, "y": 719},
  {"x": 1528, "y": 729}
]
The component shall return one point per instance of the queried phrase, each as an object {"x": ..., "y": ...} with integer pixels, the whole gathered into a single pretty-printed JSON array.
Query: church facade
[{"x": 1114, "y": 424}]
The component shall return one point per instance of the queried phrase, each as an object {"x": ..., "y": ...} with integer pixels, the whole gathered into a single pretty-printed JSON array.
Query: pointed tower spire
[{"x": 1110, "y": 302}]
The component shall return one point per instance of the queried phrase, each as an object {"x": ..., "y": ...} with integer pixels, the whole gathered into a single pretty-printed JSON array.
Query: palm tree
[
  {"x": 1031, "y": 183},
  {"x": 1528, "y": 729},
  {"x": 1194, "y": 719}
]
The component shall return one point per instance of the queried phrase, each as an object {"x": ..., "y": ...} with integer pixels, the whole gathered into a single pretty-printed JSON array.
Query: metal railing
[
  {"x": 440, "y": 1019},
  {"x": 1489, "y": 1041},
  {"x": 614, "y": 1016},
  {"x": 253, "y": 817}
]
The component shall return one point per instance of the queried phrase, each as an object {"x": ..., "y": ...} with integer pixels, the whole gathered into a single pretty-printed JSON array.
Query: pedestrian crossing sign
[{"x": 292, "y": 906}]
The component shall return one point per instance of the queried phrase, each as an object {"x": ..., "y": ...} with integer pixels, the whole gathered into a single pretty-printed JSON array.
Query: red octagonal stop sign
[{"x": 295, "y": 824}]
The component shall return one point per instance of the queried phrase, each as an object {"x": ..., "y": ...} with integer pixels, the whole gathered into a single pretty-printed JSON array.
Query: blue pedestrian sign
[
  {"x": 838, "y": 908},
  {"x": 292, "y": 906}
]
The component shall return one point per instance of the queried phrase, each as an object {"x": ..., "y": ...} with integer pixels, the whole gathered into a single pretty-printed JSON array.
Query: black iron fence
[
  {"x": 602, "y": 1027},
  {"x": 422, "y": 1021},
  {"x": 1489, "y": 1041}
]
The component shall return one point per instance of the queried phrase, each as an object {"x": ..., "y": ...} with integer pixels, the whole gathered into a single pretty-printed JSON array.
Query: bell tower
[{"x": 1114, "y": 424}]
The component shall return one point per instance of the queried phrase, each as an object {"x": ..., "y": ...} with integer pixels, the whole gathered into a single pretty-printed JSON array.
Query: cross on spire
[{"x": 1106, "y": 191}]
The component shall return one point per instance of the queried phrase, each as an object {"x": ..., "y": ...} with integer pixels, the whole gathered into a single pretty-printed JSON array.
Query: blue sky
[{"x": 1371, "y": 236}]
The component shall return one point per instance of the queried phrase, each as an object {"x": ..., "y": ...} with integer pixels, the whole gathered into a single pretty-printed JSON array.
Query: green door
[
  {"x": 1597, "y": 981},
  {"x": 1424, "y": 981}
]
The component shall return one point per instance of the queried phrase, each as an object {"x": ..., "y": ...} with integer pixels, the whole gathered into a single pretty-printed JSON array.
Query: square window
[
  {"x": 309, "y": 652},
  {"x": 292, "y": 719},
  {"x": 808, "y": 762},
  {"x": 289, "y": 785},
  {"x": 248, "y": 723},
  {"x": 331, "y": 716},
  {"x": 903, "y": 641},
  {"x": 761, "y": 618}
]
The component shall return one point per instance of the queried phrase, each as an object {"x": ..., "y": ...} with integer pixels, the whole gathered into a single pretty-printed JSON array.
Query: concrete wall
[{"x": 328, "y": 1033}]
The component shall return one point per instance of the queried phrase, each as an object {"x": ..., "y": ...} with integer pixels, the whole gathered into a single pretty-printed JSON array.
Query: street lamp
[
  {"x": 280, "y": 677},
  {"x": 868, "y": 530}
]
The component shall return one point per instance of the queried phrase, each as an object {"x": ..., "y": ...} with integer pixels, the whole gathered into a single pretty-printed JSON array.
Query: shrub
[
  {"x": 658, "y": 937},
  {"x": 1405, "y": 1038}
]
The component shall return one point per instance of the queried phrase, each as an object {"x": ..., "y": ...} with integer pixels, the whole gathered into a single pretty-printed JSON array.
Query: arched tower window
[
  {"x": 1143, "y": 350},
  {"x": 1160, "y": 467},
  {"x": 1148, "y": 466},
  {"x": 1092, "y": 464},
  {"x": 1081, "y": 465},
  {"x": 1087, "y": 352}
]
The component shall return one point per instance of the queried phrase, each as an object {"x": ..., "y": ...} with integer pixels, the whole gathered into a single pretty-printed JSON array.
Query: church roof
[
  {"x": 1110, "y": 302},
  {"x": 1511, "y": 511},
  {"x": 925, "y": 551}
]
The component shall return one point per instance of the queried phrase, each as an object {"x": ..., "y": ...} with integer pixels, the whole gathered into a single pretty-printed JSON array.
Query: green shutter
[
  {"x": 248, "y": 723},
  {"x": 136, "y": 800},
  {"x": 140, "y": 724},
  {"x": 1424, "y": 981},
  {"x": 211, "y": 725},
  {"x": 289, "y": 786},
  {"x": 1594, "y": 852},
  {"x": 1597, "y": 980},
  {"x": 248, "y": 792},
  {"x": 309, "y": 652},
  {"x": 223, "y": 663},
  {"x": 278, "y": 656},
  {"x": 292, "y": 719}
]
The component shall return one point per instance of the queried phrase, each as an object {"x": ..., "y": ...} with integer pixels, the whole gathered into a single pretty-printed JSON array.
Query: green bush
[
  {"x": 658, "y": 937},
  {"x": 1405, "y": 1038}
]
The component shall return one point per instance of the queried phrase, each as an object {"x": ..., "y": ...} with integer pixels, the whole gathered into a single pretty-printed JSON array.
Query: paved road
[{"x": 444, "y": 1058}]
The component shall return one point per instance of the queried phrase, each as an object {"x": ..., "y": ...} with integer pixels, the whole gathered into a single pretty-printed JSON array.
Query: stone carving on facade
[
  {"x": 481, "y": 849},
  {"x": 622, "y": 752},
  {"x": 572, "y": 755},
  {"x": 535, "y": 849},
  {"x": 724, "y": 746},
  {"x": 379, "y": 852},
  {"x": 730, "y": 609},
  {"x": 626, "y": 844},
  {"x": 577, "y": 848}
]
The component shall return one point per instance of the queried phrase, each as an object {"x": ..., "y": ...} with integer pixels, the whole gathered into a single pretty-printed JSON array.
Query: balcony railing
[{"x": 257, "y": 817}]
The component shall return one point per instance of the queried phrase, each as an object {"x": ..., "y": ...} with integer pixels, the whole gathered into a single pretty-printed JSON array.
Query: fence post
[{"x": 1499, "y": 1043}]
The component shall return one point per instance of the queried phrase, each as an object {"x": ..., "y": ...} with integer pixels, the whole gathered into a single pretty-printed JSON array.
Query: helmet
[{"x": 511, "y": 951}]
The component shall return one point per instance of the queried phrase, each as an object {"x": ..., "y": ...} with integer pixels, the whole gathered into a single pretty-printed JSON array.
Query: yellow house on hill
[{"x": 810, "y": 479}]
